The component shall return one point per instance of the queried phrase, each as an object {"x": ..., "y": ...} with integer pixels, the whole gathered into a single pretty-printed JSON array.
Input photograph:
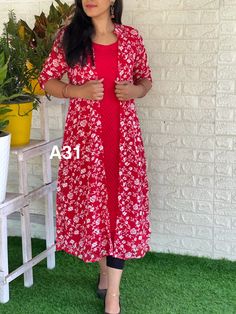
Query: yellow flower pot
[
  {"x": 34, "y": 83},
  {"x": 19, "y": 126},
  {"x": 36, "y": 87}
]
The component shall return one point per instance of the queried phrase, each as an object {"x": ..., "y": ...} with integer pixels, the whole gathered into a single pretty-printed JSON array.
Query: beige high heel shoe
[
  {"x": 101, "y": 293},
  {"x": 113, "y": 294}
]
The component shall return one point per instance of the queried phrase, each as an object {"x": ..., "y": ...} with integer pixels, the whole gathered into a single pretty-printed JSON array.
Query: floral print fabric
[{"x": 82, "y": 216}]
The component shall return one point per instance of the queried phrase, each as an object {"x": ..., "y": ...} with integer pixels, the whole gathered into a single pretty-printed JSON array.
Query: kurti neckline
[{"x": 102, "y": 45}]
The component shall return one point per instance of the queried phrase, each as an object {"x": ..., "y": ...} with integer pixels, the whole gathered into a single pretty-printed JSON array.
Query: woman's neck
[{"x": 103, "y": 27}]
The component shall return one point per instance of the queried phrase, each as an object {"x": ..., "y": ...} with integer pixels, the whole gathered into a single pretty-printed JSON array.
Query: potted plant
[
  {"x": 17, "y": 91},
  {"x": 39, "y": 40}
]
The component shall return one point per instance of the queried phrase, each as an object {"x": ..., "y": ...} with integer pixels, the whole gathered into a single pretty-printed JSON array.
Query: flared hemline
[{"x": 60, "y": 248}]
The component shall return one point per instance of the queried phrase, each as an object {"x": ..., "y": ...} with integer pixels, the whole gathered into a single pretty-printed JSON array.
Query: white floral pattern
[{"x": 82, "y": 216}]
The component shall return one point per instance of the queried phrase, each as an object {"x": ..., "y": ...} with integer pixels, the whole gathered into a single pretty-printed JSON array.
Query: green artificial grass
[{"x": 159, "y": 283}]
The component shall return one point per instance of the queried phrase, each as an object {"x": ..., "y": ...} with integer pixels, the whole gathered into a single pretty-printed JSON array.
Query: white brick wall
[{"x": 188, "y": 120}]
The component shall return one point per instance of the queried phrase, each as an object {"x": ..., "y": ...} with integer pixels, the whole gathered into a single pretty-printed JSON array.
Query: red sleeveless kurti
[{"x": 106, "y": 59}]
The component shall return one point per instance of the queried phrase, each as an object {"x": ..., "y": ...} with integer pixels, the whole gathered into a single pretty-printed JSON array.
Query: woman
[{"x": 102, "y": 196}]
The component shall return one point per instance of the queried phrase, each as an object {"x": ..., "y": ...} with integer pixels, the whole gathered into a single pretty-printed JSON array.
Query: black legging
[{"x": 115, "y": 262}]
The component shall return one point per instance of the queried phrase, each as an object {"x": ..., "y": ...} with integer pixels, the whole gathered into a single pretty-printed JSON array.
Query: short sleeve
[
  {"x": 55, "y": 65},
  {"x": 141, "y": 66}
]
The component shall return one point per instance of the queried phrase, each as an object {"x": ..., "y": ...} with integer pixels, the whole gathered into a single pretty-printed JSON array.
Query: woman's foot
[
  {"x": 103, "y": 283},
  {"x": 111, "y": 302}
]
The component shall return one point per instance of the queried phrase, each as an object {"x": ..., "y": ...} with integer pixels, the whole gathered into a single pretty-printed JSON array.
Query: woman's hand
[
  {"x": 126, "y": 90},
  {"x": 92, "y": 89}
]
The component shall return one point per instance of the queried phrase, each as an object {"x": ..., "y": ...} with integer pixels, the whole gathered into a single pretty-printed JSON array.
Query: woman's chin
[{"x": 91, "y": 14}]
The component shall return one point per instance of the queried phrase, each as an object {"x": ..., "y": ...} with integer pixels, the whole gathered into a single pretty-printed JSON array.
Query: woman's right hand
[{"x": 92, "y": 89}]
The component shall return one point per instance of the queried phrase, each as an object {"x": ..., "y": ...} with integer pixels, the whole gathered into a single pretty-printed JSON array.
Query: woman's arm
[
  {"x": 142, "y": 75},
  {"x": 92, "y": 89},
  {"x": 60, "y": 89},
  {"x": 126, "y": 90},
  {"x": 143, "y": 87}
]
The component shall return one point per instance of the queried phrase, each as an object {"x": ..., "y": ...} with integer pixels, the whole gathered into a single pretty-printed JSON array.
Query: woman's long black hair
[{"x": 76, "y": 41}]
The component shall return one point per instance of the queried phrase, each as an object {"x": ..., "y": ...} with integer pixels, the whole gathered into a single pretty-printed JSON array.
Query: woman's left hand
[{"x": 126, "y": 90}]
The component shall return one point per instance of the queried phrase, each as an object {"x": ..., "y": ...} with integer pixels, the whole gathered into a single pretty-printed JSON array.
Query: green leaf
[
  {"x": 40, "y": 25},
  {"x": 29, "y": 34},
  {"x": 2, "y": 58},
  {"x": 3, "y": 124},
  {"x": 4, "y": 110},
  {"x": 4, "y": 99},
  {"x": 54, "y": 16},
  {"x": 3, "y": 72}
]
